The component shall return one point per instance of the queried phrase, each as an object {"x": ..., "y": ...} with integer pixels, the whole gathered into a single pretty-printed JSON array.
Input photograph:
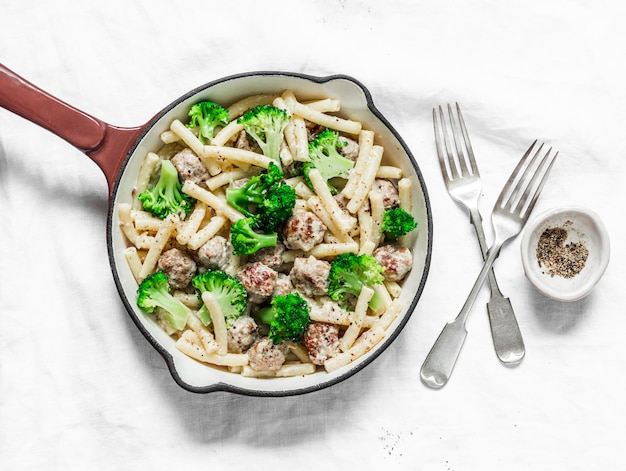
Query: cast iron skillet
[{"x": 119, "y": 152}]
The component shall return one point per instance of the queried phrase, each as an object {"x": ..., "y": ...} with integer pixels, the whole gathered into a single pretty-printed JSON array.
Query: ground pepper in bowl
[{"x": 558, "y": 258}]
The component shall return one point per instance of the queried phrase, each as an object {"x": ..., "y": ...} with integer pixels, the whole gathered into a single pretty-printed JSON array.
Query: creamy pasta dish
[{"x": 267, "y": 236}]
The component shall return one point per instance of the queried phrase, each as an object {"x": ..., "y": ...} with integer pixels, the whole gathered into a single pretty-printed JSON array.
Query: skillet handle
[{"x": 106, "y": 145}]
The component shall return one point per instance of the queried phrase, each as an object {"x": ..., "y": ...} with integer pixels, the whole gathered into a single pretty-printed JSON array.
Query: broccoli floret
[
  {"x": 273, "y": 198},
  {"x": 350, "y": 272},
  {"x": 325, "y": 157},
  {"x": 287, "y": 317},
  {"x": 166, "y": 197},
  {"x": 397, "y": 222},
  {"x": 246, "y": 241},
  {"x": 276, "y": 207},
  {"x": 229, "y": 293},
  {"x": 253, "y": 192},
  {"x": 265, "y": 124},
  {"x": 154, "y": 292},
  {"x": 206, "y": 116}
]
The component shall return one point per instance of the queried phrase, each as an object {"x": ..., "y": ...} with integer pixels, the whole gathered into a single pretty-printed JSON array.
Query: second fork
[
  {"x": 464, "y": 186},
  {"x": 509, "y": 215}
]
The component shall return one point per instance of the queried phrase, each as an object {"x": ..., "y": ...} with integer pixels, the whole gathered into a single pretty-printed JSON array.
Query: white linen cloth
[{"x": 80, "y": 388}]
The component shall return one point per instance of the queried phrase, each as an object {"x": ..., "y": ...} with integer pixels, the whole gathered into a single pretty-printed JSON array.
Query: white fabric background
[{"x": 80, "y": 388}]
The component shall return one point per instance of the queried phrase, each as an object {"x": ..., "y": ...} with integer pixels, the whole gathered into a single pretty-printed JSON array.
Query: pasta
[
  {"x": 341, "y": 215},
  {"x": 360, "y": 311},
  {"x": 219, "y": 323},
  {"x": 210, "y": 199},
  {"x": 156, "y": 248},
  {"x": 238, "y": 156},
  {"x": 147, "y": 169}
]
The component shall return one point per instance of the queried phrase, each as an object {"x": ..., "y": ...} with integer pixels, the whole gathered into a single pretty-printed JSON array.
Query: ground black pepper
[{"x": 558, "y": 258}]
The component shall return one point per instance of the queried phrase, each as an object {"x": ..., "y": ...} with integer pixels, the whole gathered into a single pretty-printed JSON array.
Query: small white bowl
[{"x": 584, "y": 227}]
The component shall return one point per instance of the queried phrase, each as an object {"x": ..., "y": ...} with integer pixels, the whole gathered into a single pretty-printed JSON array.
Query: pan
[{"x": 119, "y": 152}]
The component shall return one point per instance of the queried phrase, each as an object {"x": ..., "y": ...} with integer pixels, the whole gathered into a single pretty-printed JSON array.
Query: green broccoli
[
  {"x": 229, "y": 293},
  {"x": 325, "y": 157},
  {"x": 397, "y": 222},
  {"x": 276, "y": 207},
  {"x": 154, "y": 292},
  {"x": 166, "y": 197},
  {"x": 348, "y": 274},
  {"x": 253, "y": 192},
  {"x": 287, "y": 317},
  {"x": 274, "y": 199},
  {"x": 246, "y": 241},
  {"x": 206, "y": 116},
  {"x": 265, "y": 124}
]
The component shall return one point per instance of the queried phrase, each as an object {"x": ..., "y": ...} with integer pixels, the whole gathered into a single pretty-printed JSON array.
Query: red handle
[{"x": 105, "y": 144}]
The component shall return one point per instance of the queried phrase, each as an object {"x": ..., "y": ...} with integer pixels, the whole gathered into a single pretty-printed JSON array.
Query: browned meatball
[
  {"x": 215, "y": 253},
  {"x": 321, "y": 341},
  {"x": 178, "y": 266},
  {"x": 190, "y": 167},
  {"x": 389, "y": 191},
  {"x": 258, "y": 279},
  {"x": 396, "y": 260},
  {"x": 245, "y": 143},
  {"x": 283, "y": 286},
  {"x": 310, "y": 275},
  {"x": 349, "y": 148},
  {"x": 242, "y": 334},
  {"x": 270, "y": 256},
  {"x": 264, "y": 355},
  {"x": 303, "y": 231}
]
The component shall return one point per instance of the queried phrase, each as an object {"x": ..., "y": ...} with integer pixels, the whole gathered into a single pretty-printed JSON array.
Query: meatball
[
  {"x": 215, "y": 253},
  {"x": 270, "y": 256},
  {"x": 258, "y": 279},
  {"x": 189, "y": 166},
  {"x": 389, "y": 191},
  {"x": 264, "y": 355},
  {"x": 178, "y": 266},
  {"x": 349, "y": 149},
  {"x": 283, "y": 286},
  {"x": 303, "y": 231},
  {"x": 245, "y": 143},
  {"x": 396, "y": 261},
  {"x": 242, "y": 334},
  {"x": 310, "y": 275},
  {"x": 321, "y": 341}
]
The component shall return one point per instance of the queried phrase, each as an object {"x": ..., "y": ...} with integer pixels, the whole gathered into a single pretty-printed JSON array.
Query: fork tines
[
  {"x": 527, "y": 179},
  {"x": 462, "y": 161}
]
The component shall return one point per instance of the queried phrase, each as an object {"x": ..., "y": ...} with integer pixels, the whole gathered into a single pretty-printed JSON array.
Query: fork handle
[
  {"x": 505, "y": 331},
  {"x": 477, "y": 222},
  {"x": 440, "y": 361}
]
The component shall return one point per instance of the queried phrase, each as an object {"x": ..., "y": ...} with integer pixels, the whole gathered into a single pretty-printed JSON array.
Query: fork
[
  {"x": 510, "y": 213},
  {"x": 464, "y": 186}
]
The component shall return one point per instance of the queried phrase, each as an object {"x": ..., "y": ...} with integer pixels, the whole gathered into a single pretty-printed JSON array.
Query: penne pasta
[
  {"x": 148, "y": 166},
  {"x": 211, "y": 200},
  {"x": 218, "y": 321},
  {"x": 343, "y": 221},
  {"x": 162, "y": 237},
  {"x": 190, "y": 227},
  {"x": 365, "y": 180},
  {"x": 237, "y": 156},
  {"x": 356, "y": 324}
]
